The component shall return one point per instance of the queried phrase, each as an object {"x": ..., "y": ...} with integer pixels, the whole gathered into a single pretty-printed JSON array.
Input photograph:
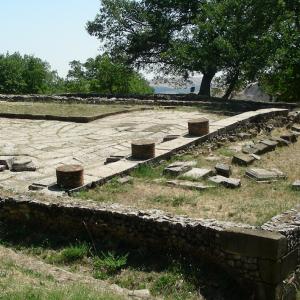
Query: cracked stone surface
[{"x": 52, "y": 143}]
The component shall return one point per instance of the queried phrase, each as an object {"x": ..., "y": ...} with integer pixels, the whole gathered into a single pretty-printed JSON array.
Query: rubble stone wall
[{"x": 261, "y": 257}]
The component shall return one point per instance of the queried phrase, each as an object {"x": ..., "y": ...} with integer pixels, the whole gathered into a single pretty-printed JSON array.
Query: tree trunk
[
  {"x": 231, "y": 86},
  {"x": 206, "y": 83}
]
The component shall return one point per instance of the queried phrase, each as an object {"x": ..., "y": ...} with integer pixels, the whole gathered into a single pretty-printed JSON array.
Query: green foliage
[
  {"x": 108, "y": 264},
  {"x": 283, "y": 77},
  {"x": 182, "y": 37},
  {"x": 26, "y": 74},
  {"x": 70, "y": 254},
  {"x": 102, "y": 75}
]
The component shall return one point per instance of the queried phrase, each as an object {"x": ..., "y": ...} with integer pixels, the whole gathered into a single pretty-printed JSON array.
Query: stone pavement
[{"x": 52, "y": 143}]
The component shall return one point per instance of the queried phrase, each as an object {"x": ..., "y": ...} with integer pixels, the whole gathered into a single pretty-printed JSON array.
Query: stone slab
[
  {"x": 296, "y": 128},
  {"x": 7, "y": 161},
  {"x": 281, "y": 142},
  {"x": 296, "y": 185},
  {"x": 189, "y": 185},
  {"x": 227, "y": 182},
  {"x": 197, "y": 173},
  {"x": 243, "y": 159},
  {"x": 291, "y": 137},
  {"x": 223, "y": 170},
  {"x": 178, "y": 168},
  {"x": 259, "y": 174}
]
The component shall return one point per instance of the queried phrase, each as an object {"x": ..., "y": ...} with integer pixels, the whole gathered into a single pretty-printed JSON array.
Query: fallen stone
[
  {"x": 296, "y": 128},
  {"x": 257, "y": 157},
  {"x": 140, "y": 294},
  {"x": 197, "y": 173},
  {"x": 296, "y": 185},
  {"x": 189, "y": 185},
  {"x": 243, "y": 159},
  {"x": 291, "y": 137},
  {"x": 113, "y": 158},
  {"x": 45, "y": 182},
  {"x": 281, "y": 142},
  {"x": 170, "y": 137},
  {"x": 124, "y": 180},
  {"x": 244, "y": 136},
  {"x": 179, "y": 168},
  {"x": 223, "y": 170},
  {"x": 7, "y": 161},
  {"x": 36, "y": 187},
  {"x": 259, "y": 174},
  {"x": 3, "y": 168},
  {"x": 261, "y": 148},
  {"x": 249, "y": 149},
  {"x": 227, "y": 182},
  {"x": 270, "y": 143},
  {"x": 23, "y": 165}
]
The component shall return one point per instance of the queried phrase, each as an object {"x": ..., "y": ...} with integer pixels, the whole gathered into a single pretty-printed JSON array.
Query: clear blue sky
[{"x": 53, "y": 30}]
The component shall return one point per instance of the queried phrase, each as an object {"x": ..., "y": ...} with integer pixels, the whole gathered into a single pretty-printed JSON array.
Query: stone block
[
  {"x": 124, "y": 180},
  {"x": 227, "y": 182},
  {"x": 254, "y": 243},
  {"x": 7, "y": 161},
  {"x": 23, "y": 165},
  {"x": 275, "y": 271},
  {"x": 3, "y": 168},
  {"x": 243, "y": 159},
  {"x": 223, "y": 170},
  {"x": 296, "y": 185},
  {"x": 291, "y": 137},
  {"x": 244, "y": 136},
  {"x": 170, "y": 137},
  {"x": 189, "y": 185},
  {"x": 113, "y": 158},
  {"x": 259, "y": 174},
  {"x": 198, "y": 173},
  {"x": 281, "y": 142},
  {"x": 262, "y": 148},
  {"x": 296, "y": 128},
  {"x": 270, "y": 143},
  {"x": 179, "y": 168}
]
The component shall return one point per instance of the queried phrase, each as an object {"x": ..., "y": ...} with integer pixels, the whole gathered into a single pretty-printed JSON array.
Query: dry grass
[
  {"x": 254, "y": 203},
  {"x": 57, "y": 109}
]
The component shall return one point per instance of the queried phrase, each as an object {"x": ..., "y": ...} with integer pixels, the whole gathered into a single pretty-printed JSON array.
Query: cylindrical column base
[
  {"x": 69, "y": 176},
  {"x": 198, "y": 127},
  {"x": 143, "y": 149}
]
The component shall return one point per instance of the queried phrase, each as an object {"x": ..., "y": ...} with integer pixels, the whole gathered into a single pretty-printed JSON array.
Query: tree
[
  {"x": 183, "y": 37},
  {"x": 25, "y": 74},
  {"x": 102, "y": 75},
  {"x": 282, "y": 79}
]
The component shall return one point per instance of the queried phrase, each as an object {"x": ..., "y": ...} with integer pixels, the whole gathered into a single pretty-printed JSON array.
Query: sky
[{"x": 53, "y": 30}]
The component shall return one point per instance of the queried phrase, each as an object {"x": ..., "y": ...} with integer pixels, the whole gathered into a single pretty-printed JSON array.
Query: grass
[
  {"x": 254, "y": 203},
  {"x": 57, "y": 109},
  {"x": 69, "y": 254},
  {"x": 135, "y": 268},
  {"x": 19, "y": 283}
]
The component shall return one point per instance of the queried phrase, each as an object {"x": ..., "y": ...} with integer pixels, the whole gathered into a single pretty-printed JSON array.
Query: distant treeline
[{"x": 31, "y": 75}]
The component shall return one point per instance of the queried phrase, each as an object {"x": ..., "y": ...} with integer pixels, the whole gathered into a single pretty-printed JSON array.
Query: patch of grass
[
  {"x": 57, "y": 293},
  {"x": 148, "y": 172},
  {"x": 69, "y": 254},
  {"x": 108, "y": 264},
  {"x": 58, "y": 109},
  {"x": 225, "y": 152},
  {"x": 174, "y": 201}
]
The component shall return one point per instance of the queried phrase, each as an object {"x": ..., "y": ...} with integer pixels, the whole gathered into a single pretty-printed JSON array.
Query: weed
[
  {"x": 108, "y": 264},
  {"x": 70, "y": 254}
]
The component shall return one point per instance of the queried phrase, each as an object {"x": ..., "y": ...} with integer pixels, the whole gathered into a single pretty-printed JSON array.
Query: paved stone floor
[{"x": 52, "y": 143}]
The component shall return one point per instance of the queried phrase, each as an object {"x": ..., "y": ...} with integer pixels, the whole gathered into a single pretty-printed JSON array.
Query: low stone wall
[
  {"x": 160, "y": 99},
  {"x": 260, "y": 259}
]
